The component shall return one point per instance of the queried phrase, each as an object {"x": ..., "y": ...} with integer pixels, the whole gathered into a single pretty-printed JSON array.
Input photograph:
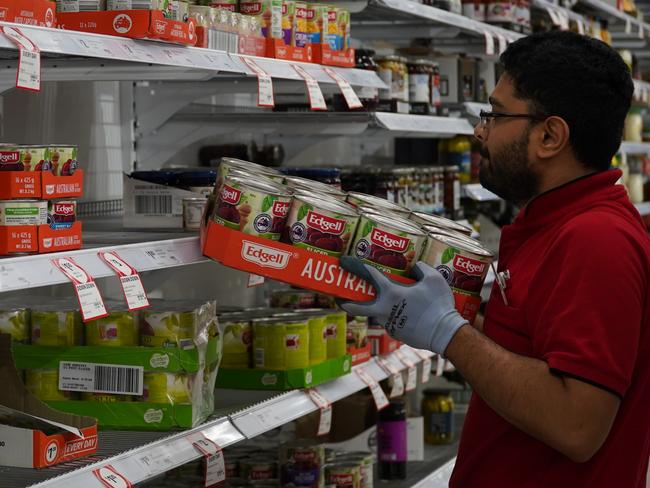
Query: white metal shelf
[
  {"x": 643, "y": 208},
  {"x": 545, "y": 5},
  {"x": 152, "y": 458},
  {"x": 605, "y": 9},
  {"x": 37, "y": 270},
  {"x": 635, "y": 148},
  {"x": 152, "y": 60}
]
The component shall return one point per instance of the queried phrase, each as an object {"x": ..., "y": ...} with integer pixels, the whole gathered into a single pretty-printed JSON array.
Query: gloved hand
[{"x": 422, "y": 315}]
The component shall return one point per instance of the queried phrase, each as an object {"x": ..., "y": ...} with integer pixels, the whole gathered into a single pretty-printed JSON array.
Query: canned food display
[
  {"x": 394, "y": 73},
  {"x": 24, "y": 158},
  {"x": 320, "y": 225},
  {"x": 256, "y": 208},
  {"x": 270, "y": 13},
  {"x": 357, "y": 332},
  {"x": 314, "y": 188},
  {"x": 336, "y": 324},
  {"x": 116, "y": 330},
  {"x": 62, "y": 214},
  {"x": 16, "y": 323},
  {"x": 428, "y": 219},
  {"x": 301, "y": 464},
  {"x": 379, "y": 204},
  {"x": 167, "y": 328},
  {"x": 281, "y": 343},
  {"x": 44, "y": 385},
  {"x": 343, "y": 474},
  {"x": 56, "y": 328},
  {"x": 294, "y": 299},
  {"x": 23, "y": 212},
  {"x": 391, "y": 245},
  {"x": 170, "y": 388},
  {"x": 63, "y": 159},
  {"x": 237, "y": 341},
  {"x": 366, "y": 462}
]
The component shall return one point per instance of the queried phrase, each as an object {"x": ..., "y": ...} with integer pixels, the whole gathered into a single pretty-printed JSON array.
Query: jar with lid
[
  {"x": 474, "y": 9},
  {"x": 368, "y": 96},
  {"x": 393, "y": 72},
  {"x": 438, "y": 180},
  {"x": 452, "y": 191},
  {"x": 420, "y": 73},
  {"x": 438, "y": 413},
  {"x": 436, "y": 97},
  {"x": 633, "y": 131}
]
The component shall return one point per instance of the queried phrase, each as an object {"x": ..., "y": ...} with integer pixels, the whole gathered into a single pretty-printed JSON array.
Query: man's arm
[{"x": 567, "y": 414}]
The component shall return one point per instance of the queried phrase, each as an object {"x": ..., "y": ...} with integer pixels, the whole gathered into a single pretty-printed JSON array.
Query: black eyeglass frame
[{"x": 484, "y": 116}]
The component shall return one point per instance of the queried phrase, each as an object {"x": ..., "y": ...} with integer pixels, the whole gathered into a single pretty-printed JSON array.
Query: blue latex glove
[{"x": 422, "y": 315}]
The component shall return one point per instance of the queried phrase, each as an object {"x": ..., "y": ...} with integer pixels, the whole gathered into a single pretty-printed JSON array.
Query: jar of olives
[{"x": 393, "y": 72}]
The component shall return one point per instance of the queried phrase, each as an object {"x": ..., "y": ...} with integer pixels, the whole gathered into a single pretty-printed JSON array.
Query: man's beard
[{"x": 507, "y": 172}]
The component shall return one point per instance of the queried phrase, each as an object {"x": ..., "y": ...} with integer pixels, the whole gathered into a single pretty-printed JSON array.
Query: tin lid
[
  {"x": 329, "y": 204},
  {"x": 391, "y": 57},
  {"x": 428, "y": 219},
  {"x": 298, "y": 182},
  {"x": 195, "y": 199},
  {"x": 247, "y": 164},
  {"x": 421, "y": 62},
  {"x": 265, "y": 186},
  {"x": 264, "y": 321},
  {"x": 462, "y": 244},
  {"x": 434, "y": 229},
  {"x": 374, "y": 201},
  {"x": 395, "y": 222}
]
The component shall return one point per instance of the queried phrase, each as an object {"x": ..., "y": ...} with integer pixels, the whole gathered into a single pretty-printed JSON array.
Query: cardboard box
[
  {"x": 380, "y": 342},
  {"x": 276, "y": 48},
  {"x": 40, "y": 184},
  {"x": 361, "y": 354},
  {"x": 31, "y": 12},
  {"x": 323, "y": 54},
  {"x": 20, "y": 239},
  {"x": 152, "y": 206},
  {"x": 33, "y": 435}
]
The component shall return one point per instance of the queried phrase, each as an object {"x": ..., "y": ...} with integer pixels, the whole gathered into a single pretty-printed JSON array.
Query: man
[{"x": 561, "y": 370}]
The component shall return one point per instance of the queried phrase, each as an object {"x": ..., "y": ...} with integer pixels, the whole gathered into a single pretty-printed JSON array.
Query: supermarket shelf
[
  {"x": 643, "y": 208},
  {"x": 150, "y": 251},
  {"x": 147, "y": 60},
  {"x": 635, "y": 148},
  {"x": 570, "y": 14},
  {"x": 439, "y": 478},
  {"x": 605, "y": 9},
  {"x": 476, "y": 192}
]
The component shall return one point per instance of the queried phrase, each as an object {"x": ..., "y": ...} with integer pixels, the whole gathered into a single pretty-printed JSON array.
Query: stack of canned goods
[{"x": 323, "y": 219}]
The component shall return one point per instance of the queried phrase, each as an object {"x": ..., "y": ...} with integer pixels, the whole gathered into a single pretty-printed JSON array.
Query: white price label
[
  {"x": 29, "y": 59},
  {"x": 563, "y": 17},
  {"x": 440, "y": 366},
  {"x": 136, "y": 297},
  {"x": 378, "y": 394},
  {"x": 90, "y": 301},
  {"x": 215, "y": 465},
  {"x": 325, "y": 421},
  {"x": 255, "y": 280},
  {"x": 628, "y": 26},
  {"x": 316, "y": 98},
  {"x": 110, "y": 478},
  {"x": 264, "y": 84},
  {"x": 489, "y": 43},
  {"x": 397, "y": 380},
  {"x": 503, "y": 43},
  {"x": 162, "y": 257},
  {"x": 426, "y": 365},
  {"x": 581, "y": 27},
  {"x": 411, "y": 371},
  {"x": 641, "y": 33},
  {"x": 348, "y": 93},
  {"x": 552, "y": 13}
]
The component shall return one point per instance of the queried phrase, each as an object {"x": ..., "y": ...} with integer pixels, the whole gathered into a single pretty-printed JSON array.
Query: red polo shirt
[{"x": 578, "y": 299}]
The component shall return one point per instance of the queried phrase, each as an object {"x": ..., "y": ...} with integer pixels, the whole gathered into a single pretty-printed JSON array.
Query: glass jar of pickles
[
  {"x": 420, "y": 73},
  {"x": 438, "y": 413},
  {"x": 393, "y": 72}
]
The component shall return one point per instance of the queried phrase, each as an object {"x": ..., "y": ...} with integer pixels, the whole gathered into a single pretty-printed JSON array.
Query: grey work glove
[{"x": 422, "y": 315}]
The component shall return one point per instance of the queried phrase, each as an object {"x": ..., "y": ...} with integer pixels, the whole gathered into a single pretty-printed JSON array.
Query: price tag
[
  {"x": 398, "y": 382},
  {"x": 440, "y": 366},
  {"x": 316, "y": 98},
  {"x": 162, "y": 257},
  {"x": 325, "y": 421},
  {"x": 109, "y": 477},
  {"x": 156, "y": 460},
  {"x": 581, "y": 27},
  {"x": 628, "y": 26},
  {"x": 503, "y": 43},
  {"x": 136, "y": 297},
  {"x": 489, "y": 43},
  {"x": 348, "y": 93},
  {"x": 90, "y": 300},
  {"x": 264, "y": 84},
  {"x": 29, "y": 59},
  {"x": 378, "y": 394},
  {"x": 563, "y": 17},
  {"x": 254, "y": 280},
  {"x": 412, "y": 372},
  {"x": 215, "y": 465},
  {"x": 426, "y": 364}
]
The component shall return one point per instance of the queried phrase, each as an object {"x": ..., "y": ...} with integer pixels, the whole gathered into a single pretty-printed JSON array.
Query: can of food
[
  {"x": 226, "y": 165},
  {"x": 325, "y": 226},
  {"x": 24, "y": 158},
  {"x": 253, "y": 207},
  {"x": 317, "y": 22},
  {"x": 230, "y": 5},
  {"x": 296, "y": 341},
  {"x": 61, "y": 214},
  {"x": 105, "y": 398},
  {"x": 170, "y": 388},
  {"x": 44, "y": 385},
  {"x": 317, "y": 322},
  {"x": 293, "y": 299},
  {"x": 281, "y": 343},
  {"x": 301, "y": 464},
  {"x": 300, "y": 25},
  {"x": 336, "y": 329},
  {"x": 116, "y": 330},
  {"x": 389, "y": 244},
  {"x": 343, "y": 474},
  {"x": 193, "y": 212},
  {"x": 237, "y": 341},
  {"x": 258, "y": 468},
  {"x": 421, "y": 218},
  {"x": 168, "y": 328},
  {"x": 379, "y": 211},
  {"x": 60, "y": 328},
  {"x": 313, "y": 187},
  {"x": 366, "y": 462},
  {"x": 463, "y": 265},
  {"x": 332, "y": 35},
  {"x": 380, "y": 204},
  {"x": 16, "y": 323},
  {"x": 269, "y": 12},
  {"x": 433, "y": 229},
  {"x": 63, "y": 159},
  {"x": 288, "y": 12},
  {"x": 357, "y": 332},
  {"x": 23, "y": 212}
]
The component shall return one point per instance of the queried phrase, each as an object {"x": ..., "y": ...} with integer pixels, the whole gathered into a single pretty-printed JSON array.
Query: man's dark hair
[{"x": 580, "y": 79}]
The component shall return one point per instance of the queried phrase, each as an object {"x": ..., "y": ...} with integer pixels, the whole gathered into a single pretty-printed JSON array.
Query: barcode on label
[
  {"x": 153, "y": 204},
  {"x": 118, "y": 379}
]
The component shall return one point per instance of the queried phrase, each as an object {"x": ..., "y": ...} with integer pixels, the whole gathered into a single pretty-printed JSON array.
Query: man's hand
[{"x": 422, "y": 315}]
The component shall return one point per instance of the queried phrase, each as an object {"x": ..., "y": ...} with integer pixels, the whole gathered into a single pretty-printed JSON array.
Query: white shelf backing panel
[
  {"x": 285, "y": 408},
  {"x": 75, "y": 43},
  {"x": 37, "y": 270},
  {"x": 145, "y": 462},
  {"x": 635, "y": 148},
  {"x": 643, "y": 208}
]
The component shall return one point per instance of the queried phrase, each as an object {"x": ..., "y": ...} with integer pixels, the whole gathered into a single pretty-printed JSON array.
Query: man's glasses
[{"x": 488, "y": 117}]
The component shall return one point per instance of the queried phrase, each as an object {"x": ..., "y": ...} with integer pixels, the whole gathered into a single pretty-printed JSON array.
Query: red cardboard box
[
  {"x": 20, "y": 239},
  {"x": 380, "y": 342},
  {"x": 41, "y": 13},
  {"x": 252, "y": 45},
  {"x": 360, "y": 355},
  {"x": 36, "y": 184},
  {"x": 275, "y": 48},
  {"x": 136, "y": 24},
  {"x": 323, "y": 54}
]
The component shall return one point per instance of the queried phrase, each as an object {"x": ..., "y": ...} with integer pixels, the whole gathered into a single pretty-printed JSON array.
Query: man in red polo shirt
[{"x": 561, "y": 369}]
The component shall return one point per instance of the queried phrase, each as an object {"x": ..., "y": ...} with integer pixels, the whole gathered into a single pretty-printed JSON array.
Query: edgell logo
[
  {"x": 265, "y": 256},
  {"x": 301, "y": 13},
  {"x": 331, "y": 15},
  {"x": 342, "y": 479},
  {"x": 230, "y": 195},
  {"x": 64, "y": 209},
  {"x": 389, "y": 241},
  {"x": 7, "y": 157},
  {"x": 250, "y": 8},
  {"x": 325, "y": 224},
  {"x": 468, "y": 265},
  {"x": 281, "y": 209}
]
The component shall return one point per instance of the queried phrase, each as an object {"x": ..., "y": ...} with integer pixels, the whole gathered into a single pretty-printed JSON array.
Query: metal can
[
  {"x": 293, "y": 299},
  {"x": 193, "y": 212},
  {"x": 270, "y": 13},
  {"x": 317, "y": 322},
  {"x": 438, "y": 413},
  {"x": 366, "y": 462},
  {"x": 317, "y": 23},
  {"x": 463, "y": 265},
  {"x": 116, "y": 330},
  {"x": 320, "y": 225},
  {"x": 23, "y": 212},
  {"x": 379, "y": 204},
  {"x": 16, "y": 323},
  {"x": 256, "y": 208},
  {"x": 301, "y": 464},
  {"x": 313, "y": 187},
  {"x": 24, "y": 158},
  {"x": 168, "y": 328},
  {"x": 427, "y": 219},
  {"x": 343, "y": 474},
  {"x": 300, "y": 36},
  {"x": 170, "y": 388},
  {"x": 389, "y": 244},
  {"x": 44, "y": 385},
  {"x": 357, "y": 332},
  {"x": 336, "y": 328},
  {"x": 237, "y": 341},
  {"x": 62, "y": 214},
  {"x": 56, "y": 328},
  {"x": 63, "y": 158},
  {"x": 281, "y": 344},
  {"x": 228, "y": 164},
  {"x": 433, "y": 229},
  {"x": 258, "y": 468}
]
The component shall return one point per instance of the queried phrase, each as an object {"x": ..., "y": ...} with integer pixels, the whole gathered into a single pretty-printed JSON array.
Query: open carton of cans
[{"x": 32, "y": 12}]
